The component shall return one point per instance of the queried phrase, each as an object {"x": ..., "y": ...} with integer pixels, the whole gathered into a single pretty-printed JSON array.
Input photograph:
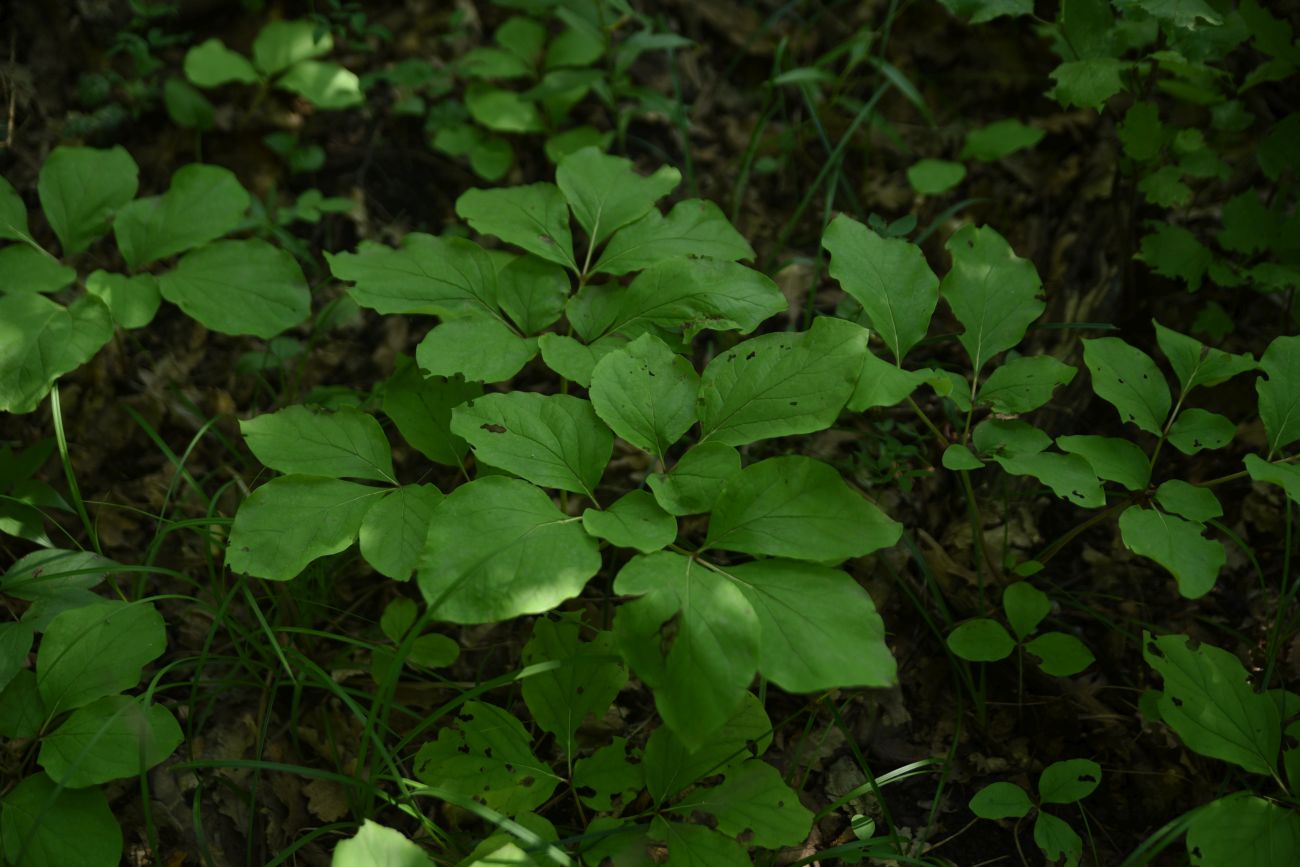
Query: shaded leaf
[{"x": 1176, "y": 544}]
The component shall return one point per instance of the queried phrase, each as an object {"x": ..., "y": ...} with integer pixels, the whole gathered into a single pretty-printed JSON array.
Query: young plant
[
  {"x": 983, "y": 639},
  {"x": 1061, "y": 783}
]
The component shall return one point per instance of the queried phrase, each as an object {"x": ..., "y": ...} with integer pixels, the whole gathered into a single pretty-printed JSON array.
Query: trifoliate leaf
[
  {"x": 1069, "y": 781},
  {"x": 346, "y": 443},
  {"x": 280, "y": 44},
  {"x": 133, "y": 301},
  {"x": 1057, "y": 840},
  {"x": 1025, "y": 606},
  {"x": 1176, "y": 544},
  {"x": 883, "y": 384},
  {"x": 534, "y": 217},
  {"x": 574, "y": 360},
  {"x": 694, "y": 227},
  {"x": 532, "y": 292},
  {"x": 1193, "y": 502},
  {"x": 212, "y": 64},
  {"x": 1001, "y": 801},
  {"x": 1008, "y": 438},
  {"x": 502, "y": 110},
  {"x": 635, "y": 520},
  {"x": 1069, "y": 476},
  {"x": 931, "y": 177},
  {"x": 324, "y": 85}
]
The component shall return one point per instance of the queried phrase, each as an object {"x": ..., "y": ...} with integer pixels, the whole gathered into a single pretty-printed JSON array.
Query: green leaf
[
  {"x": 346, "y": 443},
  {"x": 574, "y": 360},
  {"x": 532, "y": 292},
  {"x": 1087, "y": 83},
  {"x": 40, "y": 341},
  {"x": 393, "y": 531},
  {"x": 1141, "y": 133},
  {"x": 81, "y": 188},
  {"x": 421, "y": 408},
  {"x": 22, "y": 712},
  {"x": 1023, "y": 384},
  {"x": 678, "y": 295},
  {"x": 1286, "y": 475},
  {"x": 1025, "y": 606},
  {"x": 646, "y": 393},
  {"x": 1279, "y": 392},
  {"x": 781, "y": 384},
  {"x": 377, "y": 846},
  {"x": 43, "y": 825},
  {"x": 324, "y": 85},
  {"x": 797, "y": 507},
  {"x": 534, "y": 217},
  {"x": 606, "y": 781},
  {"x": 1176, "y": 544},
  {"x": 570, "y": 141},
  {"x": 1111, "y": 458},
  {"x": 981, "y": 640},
  {"x": 290, "y": 521},
  {"x": 1180, "y": 13},
  {"x": 1057, "y": 839},
  {"x": 280, "y": 44},
  {"x": 670, "y": 766},
  {"x": 585, "y": 685},
  {"x": 992, "y": 292},
  {"x": 606, "y": 193},
  {"x": 696, "y": 480},
  {"x": 697, "y": 845},
  {"x": 113, "y": 738},
  {"x": 1165, "y": 188},
  {"x": 753, "y": 798},
  {"x": 239, "y": 287},
  {"x": 693, "y": 638},
  {"x": 930, "y": 177},
  {"x": 1129, "y": 380},
  {"x": 635, "y": 520},
  {"x": 498, "y": 548},
  {"x": 999, "y": 139},
  {"x": 398, "y": 618},
  {"x": 487, "y": 757},
  {"x": 1174, "y": 252},
  {"x": 187, "y": 107},
  {"x": 15, "y": 644},
  {"x": 13, "y": 214},
  {"x": 556, "y": 441},
  {"x": 96, "y": 650},
  {"x": 212, "y": 64},
  {"x": 1246, "y": 830},
  {"x": 478, "y": 348},
  {"x": 1197, "y": 364},
  {"x": 981, "y": 11},
  {"x": 133, "y": 301},
  {"x": 1193, "y": 502},
  {"x": 1069, "y": 476},
  {"x": 888, "y": 277},
  {"x": 1059, "y": 654},
  {"x": 958, "y": 457},
  {"x": 50, "y": 573},
  {"x": 27, "y": 269},
  {"x": 502, "y": 110},
  {"x": 202, "y": 204},
  {"x": 1008, "y": 438},
  {"x": 694, "y": 227},
  {"x": 1001, "y": 801},
  {"x": 443, "y": 276},
  {"x": 883, "y": 384},
  {"x": 1069, "y": 781},
  {"x": 1207, "y": 700},
  {"x": 1197, "y": 429}
]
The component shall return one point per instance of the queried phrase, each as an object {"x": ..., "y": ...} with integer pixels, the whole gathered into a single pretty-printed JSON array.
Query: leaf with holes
[
  {"x": 1197, "y": 429},
  {"x": 753, "y": 798},
  {"x": 1023, "y": 384},
  {"x": 646, "y": 393},
  {"x": 670, "y": 765},
  {"x": 1069, "y": 476},
  {"x": 1176, "y": 544},
  {"x": 1196, "y": 364},
  {"x": 1129, "y": 380},
  {"x": 1279, "y": 392},
  {"x": 585, "y": 684}
]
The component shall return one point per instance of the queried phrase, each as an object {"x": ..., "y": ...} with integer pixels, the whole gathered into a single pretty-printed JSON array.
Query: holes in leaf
[
  {"x": 545, "y": 238},
  {"x": 493, "y": 428},
  {"x": 528, "y": 781},
  {"x": 751, "y": 355}
]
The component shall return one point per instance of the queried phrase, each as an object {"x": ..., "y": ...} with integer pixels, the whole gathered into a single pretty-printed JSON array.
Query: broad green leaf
[
  {"x": 958, "y": 457},
  {"x": 1197, "y": 364},
  {"x": 670, "y": 766},
  {"x": 42, "y": 825},
  {"x": 1069, "y": 781},
  {"x": 1141, "y": 132},
  {"x": 1249, "y": 226},
  {"x": 187, "y": 107},
  {"x": 606, "y": 193},
  {"x": 324, "y": 85},
  {"x": 692, "y": 486},
  {"x": 697, "y": 845},
  {"x": 686, "y": 296},
  {"x": 212, "y": 64},
  {"x": 883, "y": 384},
  {"x": 487, "y": 757},
  {"x": 1023, "y": 384},
  {"x": 797, "y": 507},
  {"x": 443, "y": 276},
  {"x": 280, "y": 44},
  {"x": 398, "y": 618},
  {"x": 290, "y": 521},
  {"x": 1111, "y": 458},
  {"x": 1193, "y": 502},
  {"x": 1174, "y": 252},
  {"x": 51, "y": 573},
  {"x": 133, "y": 301},
  {"x": 1059, "y": 654},
  {"x": 982, "y": 11},
  {"x": 1008, "y": 438},
  {"x": 692, "y": 637},
  {"x": 1087, "y": 83},
  {"x": 646, "y": 393},
  {"x": 1069, "y": 476},
  {"x": 421, "y": 407},
  {"x": 1279, "y": 392},
  {"x": 1025, "y": 606},
  {"x": 753, "y": 798},
  {"x": 1057, "y": 839},
  {"x": 1196, "y": 429},
  {"x": 606, "y": 780},
  {"x": 1208, "y": 701},
  {"x": 532, "y": 292},
  {"x": 13, "y": 213},
  {"x": 799, "y": 607},
  {"x": 1129, "y": 380},
  {"x": 27, "y": 269},
  {"x": 393, "y": 531},
  {"x": 22, "y": 711},
  {"x": 40, "y": 341},
  {"x": 202, "y": 204},
  {"x": 113, "y": 738},
  {"x": 534, "y": 217},
  {"x": 573, "y": 360},
  {"x": 376, "y": 846},
  {"x": 570, "y": 141},
  {"x": 781, "y": 384},
  {"x": 1001, "y": 801},
  {"x": 498, "y": 548},
  {"x": 502, "y": 110},
  {"x": 556, "y": 441},
  {"x": 888, "y": 277},
  {"x": 1286, "y": 475},
  {"x": 930, "y": 177},
  {"x": 239, "y": 287},
  {"x": 1244, "y": 830},
  {"x": 81, "y": 188},
  {"x": 635, "y": 520},
  {"x": 346, "y": 443},
  {"x": 1180, "y": 13},
  {"x": 477, "y": 348},
  {"x": 694, "y": 227},
  {"x": 97, "y": 650},
  {"x": 1176, "y": 544},
  {"x": 999, "y": 139},
  {"x": 585, "y": 685},
  {"x": 992, "y": 292},
  {"x": 981, "y": 640},
  {"x": 15, "y": 644}
]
